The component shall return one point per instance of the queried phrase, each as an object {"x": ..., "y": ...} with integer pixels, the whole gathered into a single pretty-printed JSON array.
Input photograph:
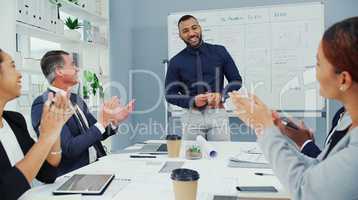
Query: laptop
[
  {"x": 88, "y": 184},
  {"x": 154, "y": 149}
]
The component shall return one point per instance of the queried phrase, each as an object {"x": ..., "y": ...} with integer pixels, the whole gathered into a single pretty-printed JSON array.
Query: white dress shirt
[
  {"x": 91, "y": 150},
  {"x": 344, "y": 122},
  {"x": 10, "y": 144}
]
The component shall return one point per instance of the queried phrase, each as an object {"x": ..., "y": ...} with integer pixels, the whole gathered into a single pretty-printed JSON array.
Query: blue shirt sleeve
[
  {"x": 175, "y": 90},
  {"x": 311, "y": 150}
]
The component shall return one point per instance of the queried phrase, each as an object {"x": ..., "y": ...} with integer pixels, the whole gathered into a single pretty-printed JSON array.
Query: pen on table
[
  {"x": 141, "y": 156},
  {"x": 123, "y": 179},
  {"x": 155, "y": 153},
  {"x": 249, "y": 152},
  {"x": 262, "y": 174}
]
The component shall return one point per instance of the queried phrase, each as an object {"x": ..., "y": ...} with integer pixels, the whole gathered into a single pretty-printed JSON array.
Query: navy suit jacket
[
  {"x": 311, "y": 149},
  {"x": 12, "y": 182},
  {"x": 75, "y": 140}
]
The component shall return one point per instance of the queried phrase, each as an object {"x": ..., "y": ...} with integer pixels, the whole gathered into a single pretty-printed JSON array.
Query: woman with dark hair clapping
[
  {"x": 334, "y": 173},
  {"x": 22, "y": 159}
]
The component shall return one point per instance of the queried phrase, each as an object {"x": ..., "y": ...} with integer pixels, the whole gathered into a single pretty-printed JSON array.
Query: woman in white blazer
[{"x": 334, "y": 173}]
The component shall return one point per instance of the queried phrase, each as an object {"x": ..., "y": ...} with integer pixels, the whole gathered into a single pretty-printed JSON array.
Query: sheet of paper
[
  {"x": 249, "y": 157},
  {"x": 169, "y": 166}
]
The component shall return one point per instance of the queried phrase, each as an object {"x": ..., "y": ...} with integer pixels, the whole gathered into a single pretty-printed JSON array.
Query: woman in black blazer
[{"x": 22, "y": 159}]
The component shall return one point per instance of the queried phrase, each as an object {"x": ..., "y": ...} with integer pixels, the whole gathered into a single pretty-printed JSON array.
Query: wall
[
  {"x": 8, "y": 34},
  {"x": 120, "y": 45},
  {"x": 139, "y": 31}
]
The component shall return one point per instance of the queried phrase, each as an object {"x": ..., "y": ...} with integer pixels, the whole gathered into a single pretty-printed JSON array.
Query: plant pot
[
  {"x": 192, "y": 155},
  {"x": 73, "y": 34}
]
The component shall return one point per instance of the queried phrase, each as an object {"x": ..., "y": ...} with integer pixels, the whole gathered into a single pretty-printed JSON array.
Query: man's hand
[
  {"x": 299, "y": 136},
  {"x": 201, "y": 100},
  {"x": 106, "y": 113},
  {"x": 56, "y": 111},
  {"x": 121, "y": 113},
  {"x": 252, "y": 111},
  {"x": 113, "y": 112},
  {"x": 214, "y": 99}
]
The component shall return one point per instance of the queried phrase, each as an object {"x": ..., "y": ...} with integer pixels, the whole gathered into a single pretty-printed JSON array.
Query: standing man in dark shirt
[{"x": 194, "y": 81}]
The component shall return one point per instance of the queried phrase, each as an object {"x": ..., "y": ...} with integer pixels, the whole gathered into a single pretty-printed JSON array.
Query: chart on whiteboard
[{"x": 274, "y": 48}]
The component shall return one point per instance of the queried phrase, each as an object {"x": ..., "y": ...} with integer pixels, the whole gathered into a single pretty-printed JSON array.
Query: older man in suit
[{"x": 81, "y": 136}]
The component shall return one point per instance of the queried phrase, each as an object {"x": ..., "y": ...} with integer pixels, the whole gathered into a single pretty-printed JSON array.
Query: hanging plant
[{"x": 91, "y": 85}]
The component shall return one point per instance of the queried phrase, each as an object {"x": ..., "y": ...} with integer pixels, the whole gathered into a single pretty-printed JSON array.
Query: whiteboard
[{"x": 274, "y": 48}]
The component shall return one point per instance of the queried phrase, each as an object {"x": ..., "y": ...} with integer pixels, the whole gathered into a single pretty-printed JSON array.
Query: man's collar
[
  {"x": 55, "y": 89},
  {"x": 73, "y": 96},
  {"x": 193, "y": 50}
]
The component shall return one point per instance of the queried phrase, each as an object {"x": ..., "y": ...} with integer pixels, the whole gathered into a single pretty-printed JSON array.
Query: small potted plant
[
  {"x": 73, "y": 25},
  {"x": 193, "y": 152}
]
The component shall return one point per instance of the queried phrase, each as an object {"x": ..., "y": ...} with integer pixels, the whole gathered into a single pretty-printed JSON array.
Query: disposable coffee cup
[
  {"x": 173, "y": 144},
  {"x": 185, "y": 183}
]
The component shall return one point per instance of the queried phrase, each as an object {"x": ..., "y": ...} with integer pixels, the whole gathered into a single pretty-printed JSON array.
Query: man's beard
[{"x": 198, "y": 45}]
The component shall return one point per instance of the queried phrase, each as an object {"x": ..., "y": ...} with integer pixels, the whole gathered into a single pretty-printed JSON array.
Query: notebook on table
[
  {"x": 154, "y": 148},
  {"x": 90, "y": 184}
]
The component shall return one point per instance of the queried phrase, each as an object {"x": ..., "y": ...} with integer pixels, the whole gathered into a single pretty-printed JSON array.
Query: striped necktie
[{"x": 98, "y": 146}]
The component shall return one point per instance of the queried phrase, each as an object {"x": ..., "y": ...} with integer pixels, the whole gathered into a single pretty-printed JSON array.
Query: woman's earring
[{"x": 342, "y": 88}]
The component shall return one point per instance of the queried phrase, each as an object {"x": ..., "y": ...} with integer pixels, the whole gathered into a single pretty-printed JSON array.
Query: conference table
[{"x": 141, "y": 179}]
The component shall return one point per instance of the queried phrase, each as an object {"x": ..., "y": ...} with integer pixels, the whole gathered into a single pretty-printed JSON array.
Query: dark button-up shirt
[{"x": 181, "y": 82}]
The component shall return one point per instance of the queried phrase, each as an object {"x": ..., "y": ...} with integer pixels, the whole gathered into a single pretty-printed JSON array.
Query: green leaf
[
  {"x": 72, "y": 24},
  {"x": 92, "y": 83},
  {"x": 95, "y": 81},
  {"x": 85, "y": 92},
  {"x": 88, "y": 76},
  {"x": 94, "y": 88},
  {"x": 195, "y": 149}
]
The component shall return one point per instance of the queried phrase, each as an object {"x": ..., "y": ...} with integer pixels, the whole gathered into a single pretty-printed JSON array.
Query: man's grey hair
[{"x": 50, "y": 61}]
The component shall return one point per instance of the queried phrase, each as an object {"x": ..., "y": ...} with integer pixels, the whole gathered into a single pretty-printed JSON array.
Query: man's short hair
[
  {"x": 50, "y": 61},
  {"x": 186, "y": 17}
]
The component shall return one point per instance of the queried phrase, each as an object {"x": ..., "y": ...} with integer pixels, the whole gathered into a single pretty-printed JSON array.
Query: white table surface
[{"x": 139, "y": 178}]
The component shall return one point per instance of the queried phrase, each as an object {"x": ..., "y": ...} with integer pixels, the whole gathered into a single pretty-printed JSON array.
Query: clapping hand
[
  {"x": 56, "y": 111},
  {"x": 113, "y": 112},
  {"x": 200, "y": 100},
  {"x": 122, "y": 112},
  {"x": 252, "y": 111},
  {"x": 299, "y": 136},
  {"x": 214, "y": 99}
]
